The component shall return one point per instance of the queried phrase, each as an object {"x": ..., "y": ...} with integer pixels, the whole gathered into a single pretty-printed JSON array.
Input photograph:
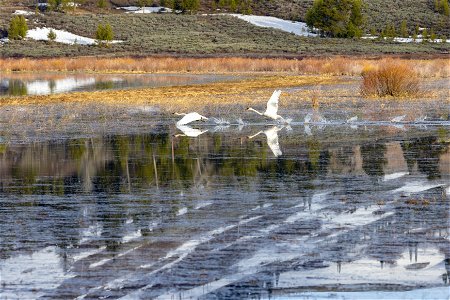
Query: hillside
[
  {"x": 378, "y": 13},
  {"x": 203, "y": 35},
  {"x": 195, "y": 35}
]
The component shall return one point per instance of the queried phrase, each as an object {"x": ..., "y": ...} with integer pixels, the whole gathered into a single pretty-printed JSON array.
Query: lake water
[
  {"x": 289, "y": 212},
  {"x": 42, "y": 84}
]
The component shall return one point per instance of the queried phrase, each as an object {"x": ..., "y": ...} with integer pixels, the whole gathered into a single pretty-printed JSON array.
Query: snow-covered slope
[
  {"x": 146, "y": 10},
  {"x": 62, "y": 36},
  {"x": 298, "y": 28}
]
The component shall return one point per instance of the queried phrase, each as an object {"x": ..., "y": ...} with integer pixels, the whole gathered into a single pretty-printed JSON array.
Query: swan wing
[
  {"x": 352, "y": 119},
  {"x": 272, "y": 104},
  {"x": 308, "y": 118},
  {"x": 308, "y": 130},
  {"x": 190, "y": 117},
  {"x": 398, "y": 118},
  {"x": 272, "y": 140},
  {"x": 189, "y": 131}
]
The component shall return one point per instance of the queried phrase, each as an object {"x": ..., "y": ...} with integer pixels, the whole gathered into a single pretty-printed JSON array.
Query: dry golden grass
[
  {"x": 334, "y": 66},
  {"x": 244, "y": 92},
  {"x": 391, "y": 78}
]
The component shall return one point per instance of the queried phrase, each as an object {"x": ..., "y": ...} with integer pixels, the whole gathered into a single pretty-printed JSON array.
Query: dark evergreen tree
[{"x": 336, "y": 18}]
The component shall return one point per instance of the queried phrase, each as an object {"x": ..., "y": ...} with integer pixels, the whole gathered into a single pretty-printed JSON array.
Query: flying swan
[
  {"x": 190, "y": 117},
  {"x": 398, "y": 119},
  {"x": 272, "y": 108}
]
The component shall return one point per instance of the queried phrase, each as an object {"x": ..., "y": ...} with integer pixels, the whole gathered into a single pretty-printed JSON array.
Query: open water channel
[{"x": 304, "y": 211}]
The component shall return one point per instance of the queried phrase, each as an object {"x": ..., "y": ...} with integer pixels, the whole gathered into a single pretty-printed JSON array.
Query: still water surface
[
  {"x": 222, "y": 216},
  {"x": 43, "y": 84}
]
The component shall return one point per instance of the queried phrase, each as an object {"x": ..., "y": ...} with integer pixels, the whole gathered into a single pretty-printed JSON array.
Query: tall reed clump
[{"x": 390, "y": 78}]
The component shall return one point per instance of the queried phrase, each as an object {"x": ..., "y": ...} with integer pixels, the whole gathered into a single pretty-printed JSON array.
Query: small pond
[{"x": 44, "y": 84}]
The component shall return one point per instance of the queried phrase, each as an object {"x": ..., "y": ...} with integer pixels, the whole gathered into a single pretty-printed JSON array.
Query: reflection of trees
[
  {"x": 425, "y": 152},
  {"x": 373, "y": 157},
  {"x": 52, "y": 85},
  {"x": 17, "y": 88},
  {"x": 104, "y": 85}
]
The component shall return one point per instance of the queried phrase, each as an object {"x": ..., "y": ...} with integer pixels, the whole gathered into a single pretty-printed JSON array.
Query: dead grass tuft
[{"x": 391, "y": 78}]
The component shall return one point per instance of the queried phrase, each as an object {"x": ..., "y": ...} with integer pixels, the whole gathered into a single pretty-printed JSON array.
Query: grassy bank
[
  {"x": 330, "y": 66},
  {"x": 244, "y": 92},
  {"x": 195, "y": 35}
]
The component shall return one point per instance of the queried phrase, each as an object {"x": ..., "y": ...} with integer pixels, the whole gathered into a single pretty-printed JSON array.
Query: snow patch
[
  {"x": 146, "y": 10},
  {"x": 20, "y": 12},
  {"x": 297, "y": 28},
  {"x": 62, "y": 36},
  {"x": 405, "y": 40}
]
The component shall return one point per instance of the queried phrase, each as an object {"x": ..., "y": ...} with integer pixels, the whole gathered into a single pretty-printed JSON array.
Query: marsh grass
[
  {"x": 390, "y": 78},
  {"x": 330, "y": 66},
  {"x": 243, "y": 92}
]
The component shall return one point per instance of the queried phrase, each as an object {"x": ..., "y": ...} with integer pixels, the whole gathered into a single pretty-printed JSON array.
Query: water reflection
[
  {"x": 272, "y": 139},
  {"x": 222, "y": 216},
  {"x": 43, "y": 84}
]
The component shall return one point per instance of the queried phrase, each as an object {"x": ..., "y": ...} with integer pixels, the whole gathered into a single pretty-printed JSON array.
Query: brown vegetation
[
  {"x": 390, "y": 78},
  {"x": 332, "y": 66},
  {"x": 245, "y": 92}
]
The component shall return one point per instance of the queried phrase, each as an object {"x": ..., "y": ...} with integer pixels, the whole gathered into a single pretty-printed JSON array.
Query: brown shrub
[{"x": 390, "y": 78}]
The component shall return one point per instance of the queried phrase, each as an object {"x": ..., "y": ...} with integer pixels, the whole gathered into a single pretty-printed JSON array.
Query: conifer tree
[
  {"x": 104, "y": 34},
  {"x": 17, "y": 28},
  {"x": 424, "y": 35},
  {"x": 404, "y": 29},
  {"x": 51, "y": 35},
  {"x": 336, "y": 18}
]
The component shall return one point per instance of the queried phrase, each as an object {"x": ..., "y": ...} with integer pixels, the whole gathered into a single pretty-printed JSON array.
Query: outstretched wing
[
  {"x": 272, "y": 104},
  {"x": 272, "y": 140},
  {"x": 398, "y": 119},
  {"x": 189, "y": 131},
  {"x": 190, "y": 117},
  {"x": 352, "y": 119}
]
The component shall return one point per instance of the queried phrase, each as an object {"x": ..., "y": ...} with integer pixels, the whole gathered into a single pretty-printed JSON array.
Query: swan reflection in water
[
  {"x": 272, "y": 139},
  {"x": 189, "y": 131}
]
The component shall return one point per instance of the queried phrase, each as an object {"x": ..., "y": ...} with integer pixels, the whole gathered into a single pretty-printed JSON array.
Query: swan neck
[
  {"x": 252, "y": 136},
  {"x": 259, "y": 113}
]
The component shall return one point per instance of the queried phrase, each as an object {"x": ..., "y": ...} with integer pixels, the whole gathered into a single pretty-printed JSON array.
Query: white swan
[
  {"x": 240, "y": 123},
  {"x": 190, "y": 117},
  {"x": 398, "y": 119},
  {"x": 352, "y": 119},
  {"x": 421, "y": 119},
  {"x": 189, "y": 131},
  {"x": 272, "y": 139},
  {"x": 272, "y": 107}
]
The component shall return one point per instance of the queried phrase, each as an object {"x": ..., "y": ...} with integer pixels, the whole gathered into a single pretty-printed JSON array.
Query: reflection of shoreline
[
  {"x": 194, "y": 211},
  {"x": 45, "y": 84},
  {"x": 83, "y": 158}
]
